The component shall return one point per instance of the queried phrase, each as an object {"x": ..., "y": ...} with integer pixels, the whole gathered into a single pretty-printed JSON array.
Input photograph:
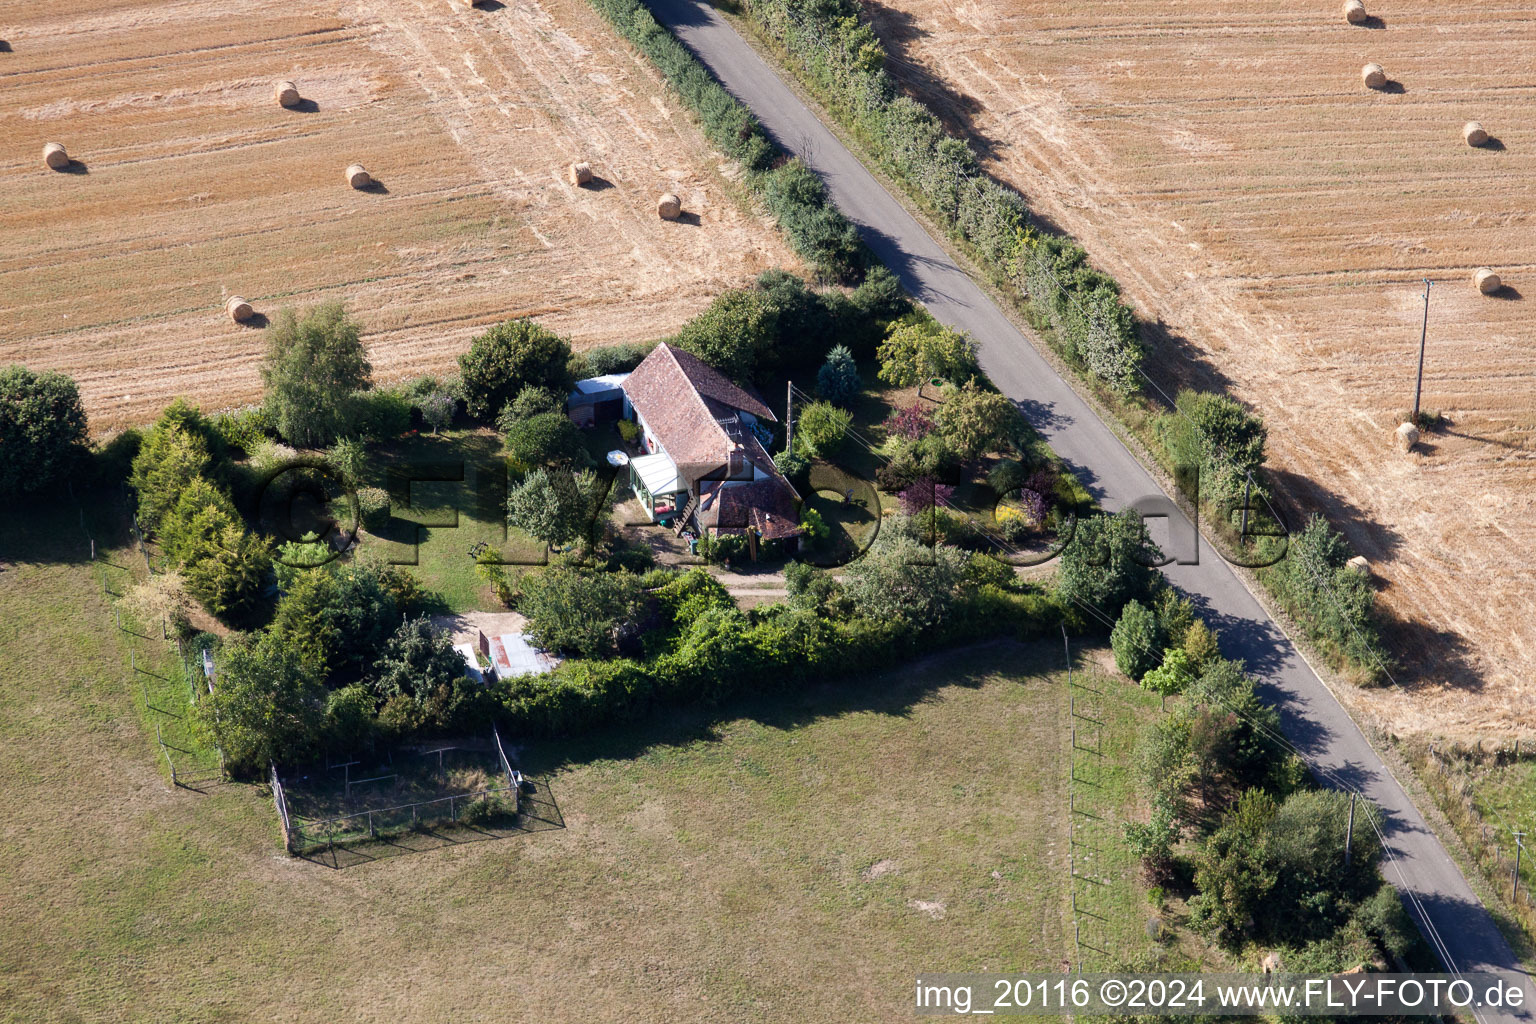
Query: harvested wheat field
[
  {"x": 191, "y": 182},
  {"x": 1276, "y": 219}
]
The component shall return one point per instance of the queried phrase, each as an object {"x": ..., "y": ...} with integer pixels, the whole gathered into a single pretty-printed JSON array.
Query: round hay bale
[
  {"x": 1354, "y": 12},
  {"x": 1359, "y": 565},
  {"x": 358, "y": 176},
  {"x": 238, "y": 309},
  {"x": 1374, "y": 76},
  {"x": 1474, "y": 134},
  {"x": 55, "y": 156},
  {"x": 286, "y": 94},
  {"x": 1487, "y": 281},
  {"x": 470, "y": 3},
  {"x": 1407, "y": 436},
  {"x": 669, "y": 207},
  {"x": 580, "y": 173}
]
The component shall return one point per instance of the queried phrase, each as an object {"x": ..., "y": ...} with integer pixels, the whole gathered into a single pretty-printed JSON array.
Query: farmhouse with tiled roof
[{"x": 704, "y": 465}]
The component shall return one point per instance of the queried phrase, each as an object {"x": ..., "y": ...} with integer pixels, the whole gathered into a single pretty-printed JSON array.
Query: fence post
[{"x": 160, "y": 740}]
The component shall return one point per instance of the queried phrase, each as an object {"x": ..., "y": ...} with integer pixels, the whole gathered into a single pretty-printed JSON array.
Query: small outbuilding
[
  {"x": 597, "y": 400},
  {"x": 512, "y": 655}
]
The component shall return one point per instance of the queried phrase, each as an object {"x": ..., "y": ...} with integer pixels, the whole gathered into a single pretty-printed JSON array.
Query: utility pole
[
  {"x": 789, "y": 415},
  {"x": 1349, "y": 833},
  {"x": 1519, "y": 848},
  {"x": 1418, "y": 388}
]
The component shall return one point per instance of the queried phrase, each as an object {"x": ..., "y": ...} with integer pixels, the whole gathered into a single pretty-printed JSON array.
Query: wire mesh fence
[
  {"x": 1503, "y": 848},
  {"x": 419, "y": 789},
  {"x": 164, "y": 678}
]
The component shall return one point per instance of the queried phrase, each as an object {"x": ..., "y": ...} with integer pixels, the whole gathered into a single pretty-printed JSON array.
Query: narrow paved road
[{"x": 1447, "y": 911}]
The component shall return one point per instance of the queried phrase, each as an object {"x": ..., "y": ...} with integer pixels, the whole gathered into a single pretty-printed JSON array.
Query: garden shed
[{"x": 597, "y": 400}]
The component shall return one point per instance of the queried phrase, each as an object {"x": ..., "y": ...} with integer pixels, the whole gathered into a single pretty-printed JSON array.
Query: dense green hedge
[
  {"x": 839, "y": 56},
  {"x": 844, "y": 62},
  {"x": 704, "y": 650},
  {"x": 1334, "y": 603},
  {"x": 814, "y": 227}
]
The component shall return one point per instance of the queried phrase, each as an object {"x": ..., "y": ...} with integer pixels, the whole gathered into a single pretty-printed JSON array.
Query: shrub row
[
  {"x": 844, "y": 62},
  {"x": 712, "y": 651},
  {"x": 816, "y": 229},
  {"x": 1232, "y": 819},
  {"x": 1333, "y": 602},
  {"x": 840, "y": 57}
]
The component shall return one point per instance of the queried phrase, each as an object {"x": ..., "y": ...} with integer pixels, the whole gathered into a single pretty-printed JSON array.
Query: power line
[{"x": 1428, "y": 926}]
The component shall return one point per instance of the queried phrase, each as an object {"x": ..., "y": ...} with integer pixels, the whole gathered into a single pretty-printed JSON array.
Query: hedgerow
[
  {"x": 842, "y": 60},
  {"x": 701, "y": 649},
  {"x": 845, "y": 63},
  {"x": 815, "y": 228}
]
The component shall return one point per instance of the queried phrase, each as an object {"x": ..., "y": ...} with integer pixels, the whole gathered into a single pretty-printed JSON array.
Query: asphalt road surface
[{"x": 1446, "y": 909}]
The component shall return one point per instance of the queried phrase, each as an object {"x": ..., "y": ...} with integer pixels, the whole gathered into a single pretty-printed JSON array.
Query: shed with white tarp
[
  {"x": 471, "y": 662},
  {"x": 597, "y": 400}
]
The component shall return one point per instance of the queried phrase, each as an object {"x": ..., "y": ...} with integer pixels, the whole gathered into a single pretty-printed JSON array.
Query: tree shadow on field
[
  {"x": 894, "y": 691},
  {"x": 1422, "y": 655},
  {"x": 1427, "y": 656},
  {"x": 1298, "y": 498},
  {"x": 1174, "y": 362},
  {"x": 898, "y": 31}
]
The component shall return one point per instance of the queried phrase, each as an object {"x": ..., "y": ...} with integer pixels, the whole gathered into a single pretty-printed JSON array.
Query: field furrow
[
  {"x": 191, "y": 184},
  {"x": 1275, "y": 220}
]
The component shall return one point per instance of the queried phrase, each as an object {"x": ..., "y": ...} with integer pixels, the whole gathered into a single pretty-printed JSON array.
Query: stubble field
[
  {"x": 191, "y": 184},
  {"x": 1275, "y": 220}
]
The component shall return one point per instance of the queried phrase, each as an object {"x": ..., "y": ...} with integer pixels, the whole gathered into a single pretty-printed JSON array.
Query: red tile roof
[
  {"x": 691, "y": 409},
  {"x": 713, "y": 384},
  {"x": 767, "y": 504},
  {"x": 683, "y": 401}
]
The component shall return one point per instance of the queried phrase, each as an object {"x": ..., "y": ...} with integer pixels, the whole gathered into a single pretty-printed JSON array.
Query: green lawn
[
  {"x": 448, "y": 493},
  {"x": 455, "y": 499},
  {"x": 791, "y": 858}
]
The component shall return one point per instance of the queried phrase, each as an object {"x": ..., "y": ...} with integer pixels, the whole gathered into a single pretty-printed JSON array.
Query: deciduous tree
[
  {"x": 314, "y": 365},
  {"x": 507, "y": 358},
  {"x": 42, "y": 428},
  {"x": 916, "y": 351}
]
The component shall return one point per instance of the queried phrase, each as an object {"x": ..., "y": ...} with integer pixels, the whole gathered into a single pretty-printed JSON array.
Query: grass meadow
[{"x": 794, "y": 856}]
